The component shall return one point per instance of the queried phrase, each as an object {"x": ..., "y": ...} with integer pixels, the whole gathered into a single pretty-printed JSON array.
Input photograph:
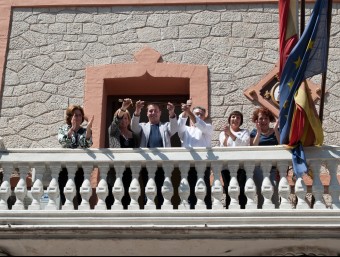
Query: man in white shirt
[{"x": 199, "y": 133}]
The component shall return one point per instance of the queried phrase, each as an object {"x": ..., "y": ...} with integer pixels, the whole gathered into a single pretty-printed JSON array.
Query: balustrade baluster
[
  {"x": 167, "y": 188},
  {"x": 37, "y": 190},
  {"x": 86, "y": 189},
  {"x": 70, "y": 190},
  {"x": 267, "y": 187},
  {"x": 200, "y": 188},
  {"x": 301, "y": 191},
  {"x": 102, "y": 189},
  {"x": 134, "y": 189},
  {"x": 234, "y": 187},
  {"x": 217, "y": 189},
  {"x": 118, "y": 187},
  {"x": 53, "y": 189},
  {"x": 318, "y": 188},
  {"x": 21, "y": 188},
  {"x": 151, "y": 188},
  {"x": 284, "y": 187},
  {"x": 250, "y": 187},
  {"x": 5, "y": 188},
  {"x": 334, "y": 188},
  {"x": 184, "y": 188}
]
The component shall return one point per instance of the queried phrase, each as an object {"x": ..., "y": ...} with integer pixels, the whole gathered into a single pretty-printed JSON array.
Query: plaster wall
[{"x": 50, "y": 48}]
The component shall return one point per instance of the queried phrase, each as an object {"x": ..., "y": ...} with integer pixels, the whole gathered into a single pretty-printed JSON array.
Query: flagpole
[
  {"x": 303, "y": 16},
  {"x": 324, "y": 74}
]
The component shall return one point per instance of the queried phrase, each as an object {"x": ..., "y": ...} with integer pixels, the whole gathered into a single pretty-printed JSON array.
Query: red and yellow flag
[
  {"x": 306, "y": 126},
  {"x": 288, "y": 11}
]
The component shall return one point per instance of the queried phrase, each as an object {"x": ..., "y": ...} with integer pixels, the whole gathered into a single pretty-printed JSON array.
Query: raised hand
[
  {"x": 74, "y": 123},
  {"x": 185, "y": 108},
  {"x": 258, "y": 127},
  {"x": 139, "y": 106},
  {"x": 171, "y": 109},
  {"x": 227, "y": 131},
  {"x": 189, "y": 102},
  {"x": 89, "y": 128},
  {"x": 90, "y": 124},
  {"x": 127, "y": 102}
]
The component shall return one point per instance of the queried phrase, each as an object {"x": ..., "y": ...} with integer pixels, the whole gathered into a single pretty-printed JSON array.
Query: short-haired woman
[
  {"x": 233, "y": 135},
  {"x": 73, "y": 135}
]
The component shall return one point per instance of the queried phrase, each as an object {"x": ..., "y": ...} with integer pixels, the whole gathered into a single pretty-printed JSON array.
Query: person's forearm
[
  {"x": 277, "y": 134},
  {"x": 192, "y": 117},
  {"x": 225, "y": 142},
  {"x": 121, "y": 113},
  {"x": 88, "y": 134},
  {"x": 256, "y": 140}
]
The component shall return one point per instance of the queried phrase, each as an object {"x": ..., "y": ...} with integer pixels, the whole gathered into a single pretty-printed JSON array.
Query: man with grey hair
[{"x": 199, "y": 133}]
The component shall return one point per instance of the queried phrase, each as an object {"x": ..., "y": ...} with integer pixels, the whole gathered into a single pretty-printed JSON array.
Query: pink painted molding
[{"x": 97, "y": 89}]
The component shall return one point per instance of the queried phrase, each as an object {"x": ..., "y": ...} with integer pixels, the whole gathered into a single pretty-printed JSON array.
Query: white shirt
[
  {"x": 198, "y": 135},
  {"x": 242, "y": 138}
]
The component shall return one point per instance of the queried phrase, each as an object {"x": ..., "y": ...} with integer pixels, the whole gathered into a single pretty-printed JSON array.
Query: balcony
[{"x": 162, "y": 219}]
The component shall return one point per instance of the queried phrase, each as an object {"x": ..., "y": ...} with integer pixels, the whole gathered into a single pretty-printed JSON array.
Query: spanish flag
[
  {"x": 299, "y": 123},
  {"x": 288, "y": 13}
]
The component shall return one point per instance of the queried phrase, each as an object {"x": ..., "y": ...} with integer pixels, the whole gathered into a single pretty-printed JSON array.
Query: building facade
[
  {"x": 51, "y": 48},
  {"x": 93, "y": 53}
]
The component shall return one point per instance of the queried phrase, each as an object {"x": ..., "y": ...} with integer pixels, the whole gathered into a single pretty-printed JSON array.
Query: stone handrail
[{"x": 47, "y": 163}]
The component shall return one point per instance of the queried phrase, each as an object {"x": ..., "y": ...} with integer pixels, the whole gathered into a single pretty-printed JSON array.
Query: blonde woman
[{"x": 120, "y": 133}]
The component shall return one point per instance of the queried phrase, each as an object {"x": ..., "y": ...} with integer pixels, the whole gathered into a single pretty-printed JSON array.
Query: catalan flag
[
  {"x": 288, "y": 13},
  {"x": 299, "y": 124}
]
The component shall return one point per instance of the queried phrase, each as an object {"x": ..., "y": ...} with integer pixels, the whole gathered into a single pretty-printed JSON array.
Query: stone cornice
[{"x": 153, "y": 224}]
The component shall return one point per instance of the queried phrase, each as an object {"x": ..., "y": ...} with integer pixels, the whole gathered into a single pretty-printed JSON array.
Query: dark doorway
[{"x": 113, "y": 105}]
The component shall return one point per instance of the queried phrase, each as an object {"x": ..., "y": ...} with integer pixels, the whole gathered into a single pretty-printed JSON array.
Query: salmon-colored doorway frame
[{"x": 147, "y": 64}]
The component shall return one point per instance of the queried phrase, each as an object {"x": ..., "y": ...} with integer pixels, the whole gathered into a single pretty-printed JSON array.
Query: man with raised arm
[
  {"x": 199, "y": 133},
  {"x": 154, "y": 133}
]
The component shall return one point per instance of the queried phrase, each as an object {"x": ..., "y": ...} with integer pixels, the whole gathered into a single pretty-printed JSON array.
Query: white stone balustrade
[
  {"x": 118, "y": 187},
  {"x": 49, "y": 162}
]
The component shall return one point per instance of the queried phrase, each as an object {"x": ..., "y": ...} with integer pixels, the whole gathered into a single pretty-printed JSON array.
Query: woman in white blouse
[{"x": 233, "y": 135}]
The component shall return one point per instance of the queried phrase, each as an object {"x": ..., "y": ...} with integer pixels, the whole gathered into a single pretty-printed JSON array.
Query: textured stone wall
[{"x": 50, "y": 48}]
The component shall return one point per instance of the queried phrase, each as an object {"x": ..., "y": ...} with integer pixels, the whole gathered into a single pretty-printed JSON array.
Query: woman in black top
[
  {"x": 121, "y": 135},
  {"x": 264, "y": 135}
]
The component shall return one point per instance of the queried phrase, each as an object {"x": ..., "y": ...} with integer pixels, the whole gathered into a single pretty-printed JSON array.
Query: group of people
[{"x": 128, "y": 132}]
